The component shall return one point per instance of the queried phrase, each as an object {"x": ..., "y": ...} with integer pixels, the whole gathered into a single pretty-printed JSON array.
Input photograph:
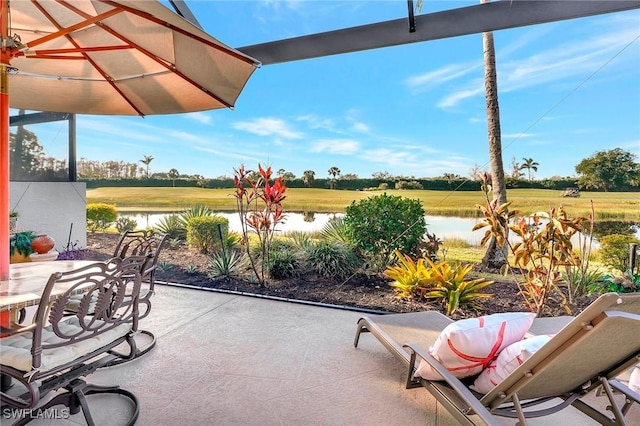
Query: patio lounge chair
[
  {"x": 57, "y": 351},
  {"x": 585, "y": 355}
]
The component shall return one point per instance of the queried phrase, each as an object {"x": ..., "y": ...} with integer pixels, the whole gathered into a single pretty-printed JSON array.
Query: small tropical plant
[
  {"x": 283, "y": 264},
  {"x": 259, "y": 204},
  {"x": 124, "y": 224},
  {"x": 627, "y": 282},
  {"x": 20, "y": 243},
  {"x": 331, "y": 259},
  {"x": 449, "y": 285},
  {"x": 441, "y": 281},
  {"x": 410, "y": 278},
  {"x": 226, "y": 262},
  {"x": 336, "y": 230},
  {"x": 543, "y": 247},
  {"x": 164, "y": 265},
  {"x": 199, "y": 210},
  {"x": 301, "y": 240},
  {"x": 172, "y": 225}
]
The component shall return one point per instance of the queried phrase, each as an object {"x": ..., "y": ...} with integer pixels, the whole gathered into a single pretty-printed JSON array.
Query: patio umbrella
[{"x": 107, "y": 57}]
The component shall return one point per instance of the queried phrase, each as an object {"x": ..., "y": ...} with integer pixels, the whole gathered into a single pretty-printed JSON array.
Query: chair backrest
[
  {"x": 107, "y": 289},
  {"x": 142, "y": 243},
  {"x": 601, "y": 341}
]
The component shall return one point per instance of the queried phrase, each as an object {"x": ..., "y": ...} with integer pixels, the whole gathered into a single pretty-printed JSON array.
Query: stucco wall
[{"x": 51, "y": 208}]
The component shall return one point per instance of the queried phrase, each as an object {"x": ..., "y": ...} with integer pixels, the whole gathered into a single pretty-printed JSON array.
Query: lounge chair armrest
[
  {"x": 628, "y": 392},
  {"x": 456, "y": 385}
]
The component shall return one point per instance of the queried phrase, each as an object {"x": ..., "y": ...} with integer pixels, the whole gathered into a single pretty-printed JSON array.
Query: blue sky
[{"x": 567, "y": 90}]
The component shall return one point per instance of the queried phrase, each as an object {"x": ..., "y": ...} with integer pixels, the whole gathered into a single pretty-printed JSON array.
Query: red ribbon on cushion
[{"x": 484, "y": 362}]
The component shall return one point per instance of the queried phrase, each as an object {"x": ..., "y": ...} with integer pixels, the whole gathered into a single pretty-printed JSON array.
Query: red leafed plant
[{"x": 259, "y": 204}]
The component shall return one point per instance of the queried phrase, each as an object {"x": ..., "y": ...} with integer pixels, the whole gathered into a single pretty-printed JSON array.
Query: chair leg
[
  {"x": 75, "y": 399},
  {"x": 122, "y": 358}
]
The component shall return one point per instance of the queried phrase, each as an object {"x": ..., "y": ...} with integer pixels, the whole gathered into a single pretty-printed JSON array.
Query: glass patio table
[{"x": 28, "y": 280}]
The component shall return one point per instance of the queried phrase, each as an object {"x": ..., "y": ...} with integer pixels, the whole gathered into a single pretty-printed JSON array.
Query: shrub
[
  {"x": 124, "y": 224},
  {"x": 100, "y": 215},
  {"x": 382, "y": 224},
  {"x": 205, "y": 232},
  {"x": 614, "y": 250},
  {"x": 283, "y": 264},
  {"x": 332, "y": 259}
]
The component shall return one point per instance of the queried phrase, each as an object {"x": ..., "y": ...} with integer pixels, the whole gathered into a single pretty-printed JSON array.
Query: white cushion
[
  {"x": 467, "y": 346},
  {"x": 508, "y": 360},
  {"x": 634, "y": 379},
  {"x": 15, "y": 351}
]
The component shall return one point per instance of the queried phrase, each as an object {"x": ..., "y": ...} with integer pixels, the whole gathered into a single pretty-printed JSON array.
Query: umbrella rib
[
  {"x": 64, "y": 31},
  {"x": 66, "y": 34},
  {"x": 147, "y": 16},
  {"x": 169, "y": 66}
]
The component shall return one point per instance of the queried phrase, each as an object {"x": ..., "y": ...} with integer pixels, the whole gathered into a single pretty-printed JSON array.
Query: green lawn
[{"x": 607, "y": 205}]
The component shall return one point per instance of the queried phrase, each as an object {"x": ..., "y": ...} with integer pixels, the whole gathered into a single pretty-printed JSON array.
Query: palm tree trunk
[{"x": 495, "y": 257}]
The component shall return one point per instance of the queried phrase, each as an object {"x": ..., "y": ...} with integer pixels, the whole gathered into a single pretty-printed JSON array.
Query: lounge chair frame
[{"x": 586, "y": 354}]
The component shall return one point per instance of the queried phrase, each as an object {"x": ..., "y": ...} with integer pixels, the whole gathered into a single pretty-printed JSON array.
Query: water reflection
[{"x": 445, "y": 227}]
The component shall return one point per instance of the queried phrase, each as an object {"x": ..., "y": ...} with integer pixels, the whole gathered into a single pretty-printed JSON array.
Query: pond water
[{"x": 444, "y": 227}]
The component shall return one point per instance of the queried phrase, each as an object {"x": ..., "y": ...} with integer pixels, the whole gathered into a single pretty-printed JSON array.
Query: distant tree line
[
  {"x": 438, "y": 184},
  {"x": 613, "y": 170}
]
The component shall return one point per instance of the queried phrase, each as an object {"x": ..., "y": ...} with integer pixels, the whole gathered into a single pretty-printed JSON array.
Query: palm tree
[
  {"x": 529, "y": 164},
  {"x": 173, "y": 175},
  {"x": 146, "y": 161},
  {"x": 309, "y": 176},
  {"x": 495, "y": 257},
  {"x": 333, "y": 172}
]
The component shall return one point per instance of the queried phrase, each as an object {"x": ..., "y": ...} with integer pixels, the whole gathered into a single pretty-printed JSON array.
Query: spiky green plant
[
  {"x": 410, "y": 278},
  {"x": 449, "y": 285},
  {"x": 226, "y": 263},
  {"x": 336, "y": 230},
  {"x": 424, "y": 278},
  {"x": 332, "y": 259}
]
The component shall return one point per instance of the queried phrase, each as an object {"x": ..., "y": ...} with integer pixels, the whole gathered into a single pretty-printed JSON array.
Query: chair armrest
[{"x": 454, "y": 383}]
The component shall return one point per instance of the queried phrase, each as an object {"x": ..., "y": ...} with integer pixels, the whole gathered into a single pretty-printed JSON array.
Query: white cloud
[
  {"x": 336, "y": 146},
  {"x": 455, "y": 98},
  {"x": 316, "y": 122},
  {"x": 360, "y": 127},
  {"x": 571, "y": 60},
  {"x": 201, "y": 117},
  {"x": 517, "y": 135},
  {"x": 267, "y": 127},
  {"x": 437, "y": 77}
]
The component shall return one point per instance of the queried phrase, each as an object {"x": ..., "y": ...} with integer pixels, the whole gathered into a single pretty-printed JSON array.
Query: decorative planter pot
[
  {"x": 42, "y": 244},
  {"x": 13, "y": 224}
]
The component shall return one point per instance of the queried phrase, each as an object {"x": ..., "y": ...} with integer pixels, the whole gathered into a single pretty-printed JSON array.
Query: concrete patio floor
[{"x": 224, "y": 359}]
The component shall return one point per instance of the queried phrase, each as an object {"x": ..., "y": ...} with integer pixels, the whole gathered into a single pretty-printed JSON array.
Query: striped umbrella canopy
[{"x": 107, "y": 57}]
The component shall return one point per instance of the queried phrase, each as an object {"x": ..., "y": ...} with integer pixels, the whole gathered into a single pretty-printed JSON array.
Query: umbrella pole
[{"x": 4, "y": 145}]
